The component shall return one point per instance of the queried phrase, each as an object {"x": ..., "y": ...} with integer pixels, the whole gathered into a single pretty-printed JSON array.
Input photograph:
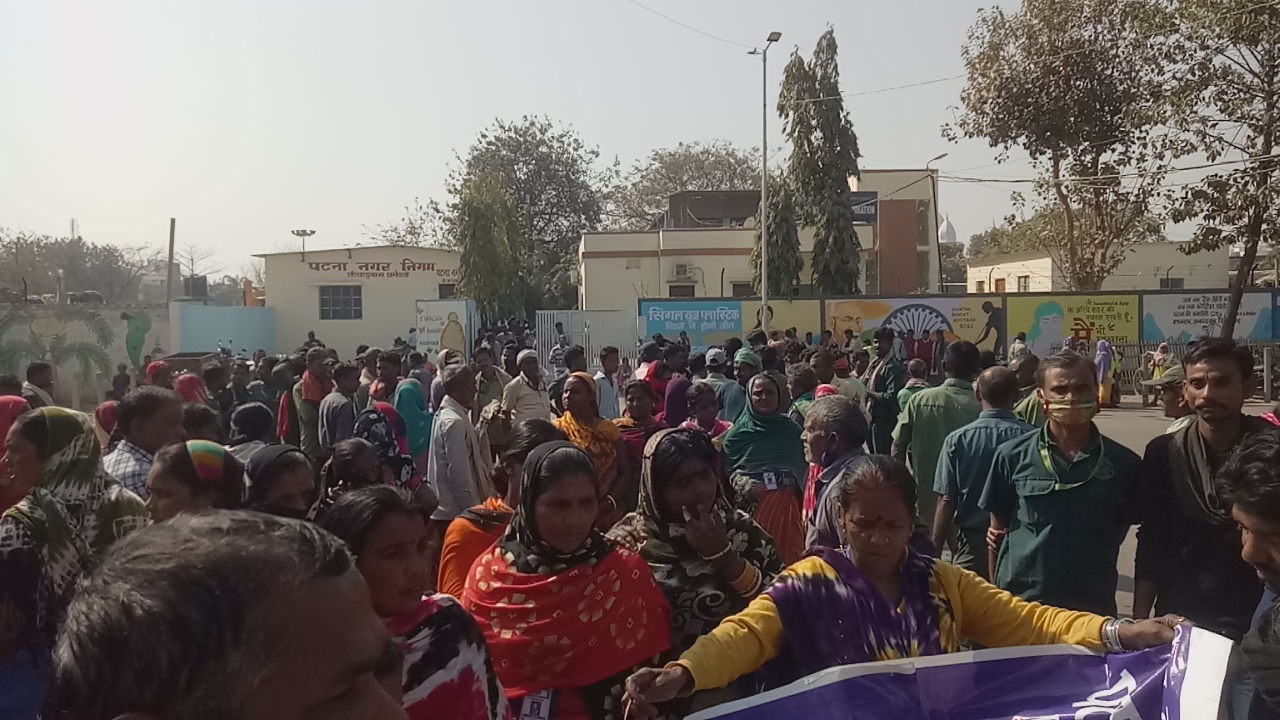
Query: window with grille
[
  {"x": 1024, "y": 283},
  {"x": 680, "y": 291},
  {"x": 448, "y": 291},
  {"x": 980, "y": 286},
  {"x": 341, "y": 302},
  {"x": 743, "y": 289},
  {"x": 1168, "y": 283}
]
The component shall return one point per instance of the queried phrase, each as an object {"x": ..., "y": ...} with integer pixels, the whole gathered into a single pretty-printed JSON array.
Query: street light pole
[
  {"x": 774, "y": 37},
  {"x": 933, "y": 192},
  {"x": 303, "y": 235}
]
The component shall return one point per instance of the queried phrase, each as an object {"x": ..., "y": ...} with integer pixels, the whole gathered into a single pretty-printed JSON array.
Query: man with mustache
[{"x": 1188, "y": 558}]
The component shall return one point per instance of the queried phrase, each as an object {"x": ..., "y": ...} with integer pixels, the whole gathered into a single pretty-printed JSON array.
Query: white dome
[{"x": 947, "y": 231}]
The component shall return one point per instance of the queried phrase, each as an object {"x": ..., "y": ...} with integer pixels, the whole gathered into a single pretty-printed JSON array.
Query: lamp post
[
  {"x": 774, "y": 37},
  {"x": 303, "y": 235},
  {"x": 933, "y": 203}
]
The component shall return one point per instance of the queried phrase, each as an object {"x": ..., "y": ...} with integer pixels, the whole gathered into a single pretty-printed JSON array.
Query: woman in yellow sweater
[{"x": 877, "y": 599}]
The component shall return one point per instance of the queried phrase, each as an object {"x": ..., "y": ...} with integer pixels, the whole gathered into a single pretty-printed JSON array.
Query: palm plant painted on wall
[{"x": 48, "y": 339}]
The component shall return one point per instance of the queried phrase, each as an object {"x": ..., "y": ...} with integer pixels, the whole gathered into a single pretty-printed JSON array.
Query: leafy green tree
[
  {"x": 640, "y": 200},
  {"x": 488, "y": 228},
  {"x": 111, "y": 270},
  {"x": 559, "y": 189},
  {"x": 785, "y": 262},
  {"x": 824, "y": 155},
  {"x": 955, "y": 265},
  {"x": 1079, "y": 85},
  {"x": 1228, "y": 99}
]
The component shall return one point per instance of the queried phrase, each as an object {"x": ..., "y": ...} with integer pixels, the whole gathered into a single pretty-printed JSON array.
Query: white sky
[{"x": 247, "y": 119}]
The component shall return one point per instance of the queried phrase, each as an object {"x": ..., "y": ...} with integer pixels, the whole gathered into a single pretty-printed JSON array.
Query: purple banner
[{"x": 1182, "y": 681}]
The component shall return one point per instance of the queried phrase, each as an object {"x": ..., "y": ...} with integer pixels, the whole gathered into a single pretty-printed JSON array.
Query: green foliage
[
  {"x": 109, "y": 269},
  {"x": 785, "y": 262},
  {"x": 558, "y": 190},
  {"x": 488, "y": 231},
  {"x": 955, "y": 265},
  {"x": 1227, "y": 89},
  {"x": 1079, "y": 85},
  {"x": 639, "y": 202},
  {"x": 824, "y": 155}
]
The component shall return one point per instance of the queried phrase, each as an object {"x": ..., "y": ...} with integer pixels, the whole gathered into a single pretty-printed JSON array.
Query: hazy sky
[{"x": 245, "y": 120}]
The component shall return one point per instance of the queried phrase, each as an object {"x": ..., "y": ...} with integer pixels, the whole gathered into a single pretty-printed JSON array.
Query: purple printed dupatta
[{"x": 828, "y": 622}]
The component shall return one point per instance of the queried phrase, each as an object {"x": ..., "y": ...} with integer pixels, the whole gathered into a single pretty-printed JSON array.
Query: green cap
[{"x": 1173, "y": 376}]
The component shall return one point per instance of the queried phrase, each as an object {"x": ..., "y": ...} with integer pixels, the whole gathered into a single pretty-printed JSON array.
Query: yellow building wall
[
  {"x": 1143, "y": 268},
  {"x": 1038, "y": 270},
  {"x": 390, "y": 280}
]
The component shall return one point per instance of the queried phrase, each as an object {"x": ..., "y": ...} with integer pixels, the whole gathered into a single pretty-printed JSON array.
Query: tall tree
[
  {"x": 559, "y": 189},
  {"x": 111, "y": 270},
  {"x": 785, "y": 262},
  {"x": 1079, "y": 85},
  {"x": 1229, "y": 90},
  {"x": 955, "y": 267},
  {"x": 488, "y": 229},
  {"x": 421, "y": 225},
  {"x": 824, "y": 155},
  {"x": 641, "y": 198}
]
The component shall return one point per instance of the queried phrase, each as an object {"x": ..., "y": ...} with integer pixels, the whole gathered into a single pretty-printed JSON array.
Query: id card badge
[
  {"x": 536, "y": 706},
  {"x": 770, "y": 481}
]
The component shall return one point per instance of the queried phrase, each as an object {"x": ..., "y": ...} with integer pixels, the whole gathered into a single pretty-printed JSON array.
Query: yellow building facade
[
  {"x": 353, "y": 296},
  {"x": 1148, "y": 266}
]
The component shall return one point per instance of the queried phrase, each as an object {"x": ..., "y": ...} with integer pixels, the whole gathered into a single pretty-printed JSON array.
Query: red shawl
[
  {"x": 659, "y": 387},
  {"x": 568, "y": 630},
  {"x": 314, "y": 389}
]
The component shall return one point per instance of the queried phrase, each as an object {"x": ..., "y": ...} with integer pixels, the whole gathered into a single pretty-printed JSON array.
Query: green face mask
[{"x": 1071, "y": 412}]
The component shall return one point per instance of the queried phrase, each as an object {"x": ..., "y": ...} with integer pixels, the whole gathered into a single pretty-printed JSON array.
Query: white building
[
  {"x": 357, "y": 295},
  {"x": 1147, "y": 266}
]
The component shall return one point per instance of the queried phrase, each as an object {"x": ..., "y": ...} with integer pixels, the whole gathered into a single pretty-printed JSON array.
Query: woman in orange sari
[
  {"x": 566, "y": 614},
  {"x": 600, "y": 439}
]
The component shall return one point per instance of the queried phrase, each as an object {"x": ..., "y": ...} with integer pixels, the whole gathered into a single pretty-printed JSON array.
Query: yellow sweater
[{"x": 982, "y": 613}]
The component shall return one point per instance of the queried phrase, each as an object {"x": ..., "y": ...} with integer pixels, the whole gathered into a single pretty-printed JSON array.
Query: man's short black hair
[
  {"x": 482, "y": 350},
  {"x": 213, "y": 372},
  {"x": 697, "y": 362},
  {"x": 1221, "y": 349},
  {"x": 10, "y": 384},
  {"x": 141, "y": 403},
  {"x": 1065, "y": 361},
  {"x": 962, "y": 359},
  {"x": 175, "y": 624},
  {"x": 345, "y": 369},
  {"x": 36, "y": 369},
  {"x": 573, "y": 354},
  {"x": 672, "y": 351},
  {"x": 1250, "y": 478},
  {"x": 608, "y": 351}
]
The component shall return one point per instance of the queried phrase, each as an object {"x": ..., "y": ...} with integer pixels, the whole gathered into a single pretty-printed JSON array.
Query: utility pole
[
  {"x": 168, "y": 268},
  {"x": 774, "y": 37}
]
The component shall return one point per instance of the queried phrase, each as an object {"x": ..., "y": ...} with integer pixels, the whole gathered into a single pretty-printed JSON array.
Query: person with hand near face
[
  {"x": 194, "y": 476},
  {"x": 564, "y": 644},
  {"x": 1062, "y": 500},
  {"x": 874, "y": 599},
  {"x": 709, "y": 558},
  {"x": 447, "y": 669}
]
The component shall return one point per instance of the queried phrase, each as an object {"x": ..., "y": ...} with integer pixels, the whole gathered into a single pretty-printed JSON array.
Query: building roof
[
  {"x": 350, "y": 248},
  {"x": 1010, "y": 258}
]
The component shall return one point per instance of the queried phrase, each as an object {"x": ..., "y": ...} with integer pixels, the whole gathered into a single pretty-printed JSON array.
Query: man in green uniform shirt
[
  {"x": 933, "y": 414},
  {"x": 1063, "y": 498}
]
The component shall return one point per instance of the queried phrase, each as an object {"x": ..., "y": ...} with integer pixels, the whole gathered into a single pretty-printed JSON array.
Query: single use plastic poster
[{"x": 1182, "y": 681}]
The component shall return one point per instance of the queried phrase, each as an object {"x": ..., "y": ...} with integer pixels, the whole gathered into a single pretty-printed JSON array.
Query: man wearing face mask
[{"x": 1062, "y": 499}]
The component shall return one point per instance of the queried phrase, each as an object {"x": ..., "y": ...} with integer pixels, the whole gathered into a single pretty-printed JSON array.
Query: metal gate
[{"x": 592, "y": 329}]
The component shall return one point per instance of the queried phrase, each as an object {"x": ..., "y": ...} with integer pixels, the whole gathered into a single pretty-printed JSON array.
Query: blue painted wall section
[{"x": 203, "y": 327}]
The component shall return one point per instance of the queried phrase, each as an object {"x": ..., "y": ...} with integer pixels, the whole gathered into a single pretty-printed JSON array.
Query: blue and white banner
[{"x": 1057, "y": 682}]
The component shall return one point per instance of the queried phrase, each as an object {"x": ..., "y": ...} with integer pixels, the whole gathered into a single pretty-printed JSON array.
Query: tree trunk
[{"x": 1242, "y": 274}]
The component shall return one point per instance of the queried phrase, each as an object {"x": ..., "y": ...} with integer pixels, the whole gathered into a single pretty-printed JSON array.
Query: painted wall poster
[
  {"x": 84, "y": 343},
  {"x": 708, "y": 322},
  {"x": 444, "y": 324},
  {"x": 1048, "y": 319},
  {"x": 803, "y": 315},
  {"x": 980, "y": 320},
  {"x": 1180, "y": 317}
]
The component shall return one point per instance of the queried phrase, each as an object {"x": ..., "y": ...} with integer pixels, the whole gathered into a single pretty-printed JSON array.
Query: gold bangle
[{"x": 748, "y": 582}]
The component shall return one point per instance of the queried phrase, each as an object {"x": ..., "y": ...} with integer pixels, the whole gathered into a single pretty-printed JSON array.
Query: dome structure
[{"x": 947, "y": 231}]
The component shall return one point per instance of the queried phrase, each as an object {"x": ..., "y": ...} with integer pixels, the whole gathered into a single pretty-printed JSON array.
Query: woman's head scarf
[
  {"x": 761, "y": 443},
  {"x": 412, "y": 406},
  {"x": 219, "y": 471},
  {"x": 825, "y": 390},
  {"x": 524, "y": 542},
  {"x": 677, "y": 401},
  {"x": 11, "y": 406},
  {"x": 259, "y": 469},
  {"x": 104, "y": 423},
  {"x": 59, "y": 530},
  {"x": 191, "y": 388},
  {"x": 700, "y": 598},
  {"x": 382, "y": 426}
]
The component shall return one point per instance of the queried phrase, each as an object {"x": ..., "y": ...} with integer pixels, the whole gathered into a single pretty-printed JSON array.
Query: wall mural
[
  {"x": 84, "y": 343},
  {"x": 977, "y": 319}
]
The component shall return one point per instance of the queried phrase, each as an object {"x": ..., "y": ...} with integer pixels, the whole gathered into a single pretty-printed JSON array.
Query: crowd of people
[{"x": 512, "y": 536}]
